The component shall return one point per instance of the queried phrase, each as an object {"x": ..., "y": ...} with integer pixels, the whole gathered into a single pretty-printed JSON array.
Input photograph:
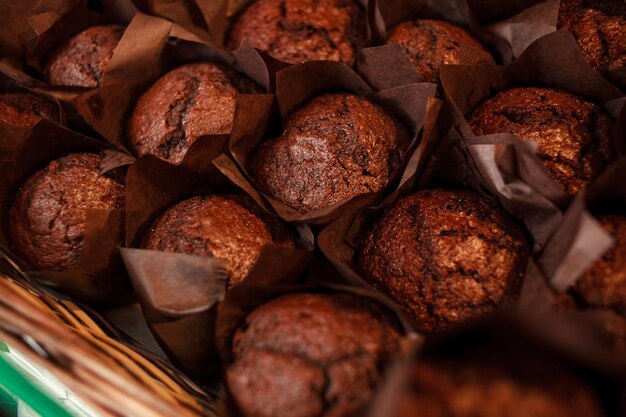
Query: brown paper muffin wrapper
[
  {"x": 578, "y": 242},
  {"x": 179, "y": 293},
  {"x": 567, "y": 343},
  {"x": 271, "y": 280},
  {"x": 13, "y": 137},
  {"x": 15, "y": 30},
  {"x": 98, "y": 277},
  {"x": 256, "y": 121},
  {"x": 504, "y": 164}
]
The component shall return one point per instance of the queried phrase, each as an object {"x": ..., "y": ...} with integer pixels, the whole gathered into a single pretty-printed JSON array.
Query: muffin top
[
  {"x": 429, "y": 44},
  {"x": 188, "y": 102},
  {"x": 296, "y": 31},
  {"x": 81, "y": 60},
  {"x": 599, "y": 27},
  {"x": 573, "y": 134},
  {"x": 445, "y": 257},
  {"x": 466, "y": 387},
  {"x": 228, "y": 227},
  {"x": 335, "y": 147},
  {"x": 310, "y": 355},
  {"x": 25, "y": 109},
  {"x": 604, "y": 283},
  {"x": 47, "y": 218}
]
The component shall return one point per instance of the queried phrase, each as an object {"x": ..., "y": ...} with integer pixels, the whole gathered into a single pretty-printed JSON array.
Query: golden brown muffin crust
[
  {"x": 188, "y": 102},
  {"x": 81, "y": 60},
  {"x": 574, "y": 135},
  {"x": 599, "y": 27},
  {"x": 231, "y": 228},
  {"x": 47, "y": 218},
  {"x": 309, "y": 355},
  {"x": 26, "y": 109},
  {"x": 429, "y": 44},
  {"x": 335, "y": 147},
  {"x": 445, "y": 257},
  {"x": 296, "y": 31}
]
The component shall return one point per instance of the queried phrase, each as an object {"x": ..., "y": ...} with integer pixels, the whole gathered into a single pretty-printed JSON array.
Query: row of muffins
[{"x": 466, "y": 228}]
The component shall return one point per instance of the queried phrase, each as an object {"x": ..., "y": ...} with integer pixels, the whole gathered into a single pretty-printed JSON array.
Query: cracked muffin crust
[
  {"x": 48, "y": 215},
  {"x": 429, "y": 44},
  {"x": 574, "y": 135},
  {"x": 599, "y": 27},
  {"x": 228, "y": 227},
  {"x": 81, "y": 61},
  {"x": 310, "y": 355},
  {"x": 296, "y": 31},
  {"x": 188, "y": 102},
  {"x": 26, "y": 109},
  {"x": 445, "y": 257},
  {"x": 502, "y": 387},
  {"x": 333, "y": 148}
]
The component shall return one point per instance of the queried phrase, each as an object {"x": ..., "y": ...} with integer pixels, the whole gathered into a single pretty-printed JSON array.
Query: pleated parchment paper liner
[
  {"x": 507, "y": 166},
  {"x": 179, "y": 293},
  {"x": 257, "y": 120},
  {"x": 13, "y": 137},
  {"x": 270, "y": 280},
  {"x": 579, "y": 241},
  {"x": 520, "y": 340},
  {"x": 112, "y": 375},
  {"x": 98, "y": 278}
]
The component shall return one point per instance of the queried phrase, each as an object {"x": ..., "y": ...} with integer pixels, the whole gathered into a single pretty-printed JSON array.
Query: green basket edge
[{"x": 16, "y": 384}]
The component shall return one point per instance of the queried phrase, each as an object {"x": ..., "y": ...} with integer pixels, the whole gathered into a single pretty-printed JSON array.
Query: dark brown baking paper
[
  {"x": 295, "y": 85},
  {"x": 180, "y": 293},
  {"x": 580, "y": 240},
  {"x": 13, "y": 137},
  {"x": 15, "y": 30},
  {"x": 271, "y": 280},
  {"x": 98, "y": 278},
  {"x": 568, "y": 343},
  {"x": 503, "y": 164}
]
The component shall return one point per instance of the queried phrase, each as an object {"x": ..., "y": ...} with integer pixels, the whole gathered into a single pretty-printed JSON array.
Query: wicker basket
[{"x": 111, "y": 374}]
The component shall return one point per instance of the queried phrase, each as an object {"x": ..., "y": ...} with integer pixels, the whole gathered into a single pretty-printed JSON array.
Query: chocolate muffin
[
  {"x": 599, "y": 27},
  {"x": 445, "y": 257},
  {"x": 81, "y": 60},
  {"x": 574, "y": 135},
  {"x": 604, "y": 284},
  {"x": 468, "y": 387},
  {"x": 296, "y": 31},
  {"x": 25, "y": 109},
  {"x": 47, "y": 218},
  {"x": 335, "y": 147},
  {"x": 310, "y": 355},
  {"x": 186, "y": 103},
  {"x": 231, "y": 228},
  {"x": 429, "y": 44}
]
